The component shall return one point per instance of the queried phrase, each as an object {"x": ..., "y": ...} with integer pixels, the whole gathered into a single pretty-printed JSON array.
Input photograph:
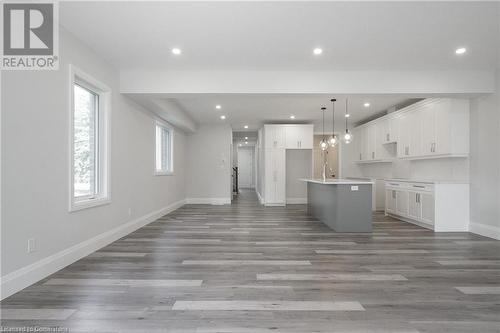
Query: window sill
[
  {"x": 163, "y": 173},
  {"x": 84, "y": 204}
]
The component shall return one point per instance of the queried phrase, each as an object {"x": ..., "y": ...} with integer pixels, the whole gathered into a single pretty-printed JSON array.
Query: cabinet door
[
  {"x": 402, "y": 203},
  {"x": 358, "y": 143},
  {"x": 403, "y": 135},
  {"x": 393, "y": 130},
  {"x": 361, "y": 143},
  {"x": 280, "y": 160},
  {"x": 368, "y": 147},
  {"x": 390, "y": 201},
  {"x": 414, "y": 207},
  {"x": 415, "y": 126},
  {"x": 269, "y": 172},
  {"x": 292, "y": 137},
  {"x": 275, "y": 136},
  {"x": 427, "y": 139},
  {"x": 383, "y": 131},
  {"x": 306, "y": 137},
  {"x": 427, "y": 202},
  {"x": 442, "y": 119}
]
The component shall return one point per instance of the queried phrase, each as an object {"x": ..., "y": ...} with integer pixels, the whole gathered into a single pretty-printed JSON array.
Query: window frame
[
  {"x": 103, "y": 152},
  {"x": 170, "y": 129}
]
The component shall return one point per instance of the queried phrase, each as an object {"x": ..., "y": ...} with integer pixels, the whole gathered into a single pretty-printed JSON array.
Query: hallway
[{"x": 247, "y": 268}]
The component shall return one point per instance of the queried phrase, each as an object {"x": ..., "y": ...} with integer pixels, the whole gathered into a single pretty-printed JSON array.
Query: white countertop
[
  {"x": 337, "y": 181},
  {"x": 426, "y": 181}
]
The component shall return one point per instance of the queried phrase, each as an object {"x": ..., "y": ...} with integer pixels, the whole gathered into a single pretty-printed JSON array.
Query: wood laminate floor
[{"x": 247, "y": 268}]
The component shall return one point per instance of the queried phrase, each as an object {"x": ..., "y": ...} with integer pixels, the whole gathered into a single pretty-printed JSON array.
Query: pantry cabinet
[
  {"x": 277, "y": 139},
  {"x": 275, "y": 175}
]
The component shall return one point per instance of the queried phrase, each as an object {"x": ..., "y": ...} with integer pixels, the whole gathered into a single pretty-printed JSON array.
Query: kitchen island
[{"x": 345, "y": 205}]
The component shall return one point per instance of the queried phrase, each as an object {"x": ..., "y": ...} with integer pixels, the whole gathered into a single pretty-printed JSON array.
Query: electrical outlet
[
  {"x": 31, "y": 245},
  {"x": 354, "y": 188}
]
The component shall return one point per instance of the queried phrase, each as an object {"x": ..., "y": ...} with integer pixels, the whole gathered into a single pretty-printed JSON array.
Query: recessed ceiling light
[
  {"x": 292, "y": 117},
  {"x": 176, "y": 51},
  {"x": 366, "y": 104},
  {"x": 239, "y": 145},
  {"x": 246, "y": 126},
  {"x": 317, "y": 51},
  {"x": 222, "y": 117},
  {"x": 218, "y": 107},
  {"x": 461, "y": 50},
  {"x": 246, "y": 137},
  {"x": 246, "y": 142},
  {"x": 347, "y": 115}
]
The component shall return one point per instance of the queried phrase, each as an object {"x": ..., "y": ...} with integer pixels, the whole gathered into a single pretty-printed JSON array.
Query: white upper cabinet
[
  {"x": 431, "y": 128},
  {"x": 299, "y": 136},
  {"x": 387, "y": 130},
  {"x": 274, "y": 136}
]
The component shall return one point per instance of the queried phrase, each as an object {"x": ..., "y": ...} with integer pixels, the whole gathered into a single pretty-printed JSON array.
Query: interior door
[{"x": 245, "y": 167}]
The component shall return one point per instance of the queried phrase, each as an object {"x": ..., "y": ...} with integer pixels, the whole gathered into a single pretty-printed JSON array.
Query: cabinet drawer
[{"x": 421, "y": 187}]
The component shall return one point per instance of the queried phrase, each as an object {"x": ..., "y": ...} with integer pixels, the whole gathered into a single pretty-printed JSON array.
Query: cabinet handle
[
  {"x": 360, "y": 157},
  {"x": 275, "y": 144},
  {"x": 393, "y": 194},
  {"x": 419, "y": 186},
  {"x": 373, "y": 155},
  {"x": 387, "y": 137}
]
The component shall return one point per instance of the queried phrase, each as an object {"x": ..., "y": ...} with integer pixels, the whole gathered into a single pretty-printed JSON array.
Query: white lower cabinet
[
  {"x": 390, "y": 201},
  {"x": 441, "y": 206},
  {"x": 275, "y": 169}
]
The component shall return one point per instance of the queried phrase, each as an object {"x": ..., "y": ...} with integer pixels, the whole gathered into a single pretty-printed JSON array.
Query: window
[
  {"x": 89, "y": 142},
  {"x": 163, "y": 152}
]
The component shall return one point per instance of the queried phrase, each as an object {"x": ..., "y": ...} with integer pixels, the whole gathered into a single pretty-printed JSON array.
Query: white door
[{"x": 245, "y": 167}]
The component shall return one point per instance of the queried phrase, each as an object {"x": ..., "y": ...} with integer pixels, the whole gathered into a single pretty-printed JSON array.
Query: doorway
[{"x": 246, "y": 167}]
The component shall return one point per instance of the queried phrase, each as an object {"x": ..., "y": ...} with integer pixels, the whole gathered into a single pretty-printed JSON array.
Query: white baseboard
[
  {"x": 296, "y": 201},
  {"x": 485, "y": 230},
  {"x": 209, "y": 201},
  {"x": 26, "y": 276}
]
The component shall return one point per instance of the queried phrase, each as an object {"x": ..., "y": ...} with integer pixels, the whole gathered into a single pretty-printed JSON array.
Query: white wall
[
  {"x": 35, "y": 166},
  {"x": 208, "y": 165},
  {"x": 485, "y": 164}
]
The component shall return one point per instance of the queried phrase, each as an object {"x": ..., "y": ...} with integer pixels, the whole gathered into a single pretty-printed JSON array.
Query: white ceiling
[
  {"x": 282, "y": 35},
  {"x": 254, "y": 110}
]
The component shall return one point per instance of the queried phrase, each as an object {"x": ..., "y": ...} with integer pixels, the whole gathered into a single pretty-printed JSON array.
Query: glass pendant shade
[
  {"x": 347, "y": 137},
  {"x": 333, "y": 141},
  {"x": 323, "y": 144}
]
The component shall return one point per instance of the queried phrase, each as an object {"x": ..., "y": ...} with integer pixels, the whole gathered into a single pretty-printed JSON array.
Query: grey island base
[{"x": 342, "y": 204}]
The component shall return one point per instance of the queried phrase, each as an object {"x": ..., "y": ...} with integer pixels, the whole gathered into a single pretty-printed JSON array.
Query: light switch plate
[{"x": 354, "y": 188}]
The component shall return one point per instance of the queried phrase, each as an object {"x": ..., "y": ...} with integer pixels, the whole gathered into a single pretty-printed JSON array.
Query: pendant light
[
  {"x": 323, "y": 143},
  {"x": 333, "y": 139},
  {"x": 347, "y": 138}
]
